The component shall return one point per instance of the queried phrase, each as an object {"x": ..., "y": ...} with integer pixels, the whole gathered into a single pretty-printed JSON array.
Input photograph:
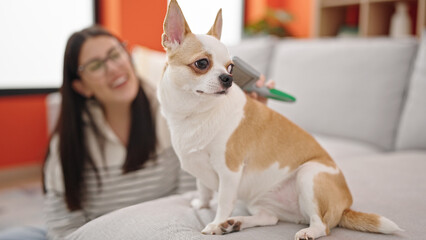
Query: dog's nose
[{"x": 226, "y": 80}]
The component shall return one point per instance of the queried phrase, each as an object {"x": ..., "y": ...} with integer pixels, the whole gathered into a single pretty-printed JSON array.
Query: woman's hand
[{"x": 260, "y": 83}]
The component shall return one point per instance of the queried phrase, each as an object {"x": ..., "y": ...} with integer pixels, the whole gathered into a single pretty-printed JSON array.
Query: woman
[{"x": 111, "y": 147}]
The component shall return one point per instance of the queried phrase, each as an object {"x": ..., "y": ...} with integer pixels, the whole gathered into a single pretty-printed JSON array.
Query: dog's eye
[
  {"x": 230, "y": 68},
  {"x": 202, "y": 64}
]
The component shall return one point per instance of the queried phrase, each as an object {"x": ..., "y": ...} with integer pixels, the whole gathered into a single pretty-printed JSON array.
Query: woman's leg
[{"x": 27, "y": 233}]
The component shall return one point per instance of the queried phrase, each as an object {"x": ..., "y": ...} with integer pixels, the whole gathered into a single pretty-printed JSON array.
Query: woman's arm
[
  {"x": 260, "y": 83},
  {"x": 59, "y": 220}
]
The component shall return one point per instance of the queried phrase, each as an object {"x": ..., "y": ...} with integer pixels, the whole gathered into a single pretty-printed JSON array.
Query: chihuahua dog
[{"x": 240, "y": 148}]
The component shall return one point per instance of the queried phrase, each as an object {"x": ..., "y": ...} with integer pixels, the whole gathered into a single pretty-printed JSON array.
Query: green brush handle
[
  {"x": 270, "y": 93},
  {"x": 246, "y": 77}
]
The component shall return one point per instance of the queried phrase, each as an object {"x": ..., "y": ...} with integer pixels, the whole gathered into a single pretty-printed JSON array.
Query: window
[{"x": 33, "y": 39}]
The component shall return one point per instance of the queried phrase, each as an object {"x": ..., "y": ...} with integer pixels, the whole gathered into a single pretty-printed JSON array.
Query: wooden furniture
[
  {"x": 373, "y": 20},
  {"x": 18, "y": 176}
]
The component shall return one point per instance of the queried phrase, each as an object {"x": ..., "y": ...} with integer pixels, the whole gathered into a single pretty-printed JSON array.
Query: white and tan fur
[{"x": 243, "y": 150}]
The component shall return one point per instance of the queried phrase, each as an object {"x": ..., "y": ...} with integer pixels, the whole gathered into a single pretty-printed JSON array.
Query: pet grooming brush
[{"x": 246, "y": 76}]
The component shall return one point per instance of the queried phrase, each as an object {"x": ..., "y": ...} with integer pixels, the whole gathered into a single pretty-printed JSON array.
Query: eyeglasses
[{"x": 99, "y": 66}]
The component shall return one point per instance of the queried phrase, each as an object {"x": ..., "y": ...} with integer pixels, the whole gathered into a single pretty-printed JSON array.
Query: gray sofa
[{"x": 365, "y": 102}]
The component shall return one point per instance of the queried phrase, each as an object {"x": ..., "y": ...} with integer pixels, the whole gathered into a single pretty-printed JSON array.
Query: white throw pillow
[{"x": 149, "y": 64}]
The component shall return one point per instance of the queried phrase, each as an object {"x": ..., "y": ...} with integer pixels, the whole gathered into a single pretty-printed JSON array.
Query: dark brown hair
[{"x": 73, "y": 150}]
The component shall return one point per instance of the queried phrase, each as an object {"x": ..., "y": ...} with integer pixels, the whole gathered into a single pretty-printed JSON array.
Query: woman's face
[{"x": 106, "y": 72}]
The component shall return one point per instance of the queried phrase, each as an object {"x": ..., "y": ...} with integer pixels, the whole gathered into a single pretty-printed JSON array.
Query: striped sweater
[{"x": 159, "y": 178}]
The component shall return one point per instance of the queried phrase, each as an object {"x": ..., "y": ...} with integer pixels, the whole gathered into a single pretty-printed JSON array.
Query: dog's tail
[{"x": 367, "y": 222}]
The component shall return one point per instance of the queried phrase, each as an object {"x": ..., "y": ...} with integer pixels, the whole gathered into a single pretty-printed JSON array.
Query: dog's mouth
[{"x": 215, "y": 93}]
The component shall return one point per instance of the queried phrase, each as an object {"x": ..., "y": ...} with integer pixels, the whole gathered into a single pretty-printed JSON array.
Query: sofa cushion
[
  {"x": 342, "y": 148},
  {"x": 350, "y": 88},
  {"x": 386, "y": 184},
  {"x": 412, "y": 129}
]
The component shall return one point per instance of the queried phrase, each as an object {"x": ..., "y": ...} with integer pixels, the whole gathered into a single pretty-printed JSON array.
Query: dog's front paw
[
  {"x": 230, "y": 226},
  {"x": 304, "y": 234},
  {"x": 212, "y": 229},
  {"x": 198, "y": 204}
]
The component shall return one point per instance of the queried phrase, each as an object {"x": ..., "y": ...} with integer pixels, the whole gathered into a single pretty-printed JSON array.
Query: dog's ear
[
  {"x": 216, "y": 29},
  {"x": 175, "y": 26}
]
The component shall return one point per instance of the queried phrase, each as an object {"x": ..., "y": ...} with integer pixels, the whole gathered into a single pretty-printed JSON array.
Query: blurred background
[{"x": 34, "y": 33}]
